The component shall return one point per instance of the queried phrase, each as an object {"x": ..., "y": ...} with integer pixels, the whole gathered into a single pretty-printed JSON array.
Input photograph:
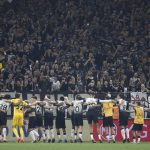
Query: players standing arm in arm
[
  {"x": 18, "y": 116},
  {"x": 60, "y": 118},
  {"x": 92, "y": 116},
  {"x": 49, "y": 118},
  {"x": 78, "y": 117},
  {"x": 138, "y": 121},
  {"x": 124, "y": 114},
  {"x": 107, "y": 107},
  {"x": 134, "y": 105},
  {"x": 32, "y": 120},
  {"x": 69, "y": 104}
]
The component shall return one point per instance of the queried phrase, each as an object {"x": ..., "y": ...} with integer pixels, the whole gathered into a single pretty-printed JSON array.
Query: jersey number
[
  {"x": 19, "y": 107},
  {"x": 77, "y": 108},
  {"x": 3, "y": 107}
]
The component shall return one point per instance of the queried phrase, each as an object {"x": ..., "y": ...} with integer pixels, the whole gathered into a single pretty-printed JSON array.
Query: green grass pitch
[{"x": 73, "y": 146}]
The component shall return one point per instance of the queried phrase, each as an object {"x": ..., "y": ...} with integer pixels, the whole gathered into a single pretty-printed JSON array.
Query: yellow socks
[
  {"x": 21, "y": 132},
  {"x": 15, "y": 132}
]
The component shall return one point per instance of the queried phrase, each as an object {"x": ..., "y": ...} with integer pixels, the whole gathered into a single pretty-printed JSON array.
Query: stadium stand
[{"x": 75, "y": 46}]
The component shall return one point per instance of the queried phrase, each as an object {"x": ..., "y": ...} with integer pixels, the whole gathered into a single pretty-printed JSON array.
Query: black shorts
[
  {"x": 3, "y": 119},
  {"x": 32, "y": 123},
  {"x": 123, "y": 118},
  {"x": 60, "y": 120},
  {"x": 92, "y": 116},
  {"x": 78, "y": 119},
  {"x": 48, "y": 120},
  {"x": 137, "y": 127},
  {"x": 108, "y": 122},
  {"x": 39, "y": 121}
]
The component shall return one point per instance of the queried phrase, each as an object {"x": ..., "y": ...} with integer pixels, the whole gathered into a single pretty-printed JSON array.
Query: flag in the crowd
[{"x": 139, "y": 96}]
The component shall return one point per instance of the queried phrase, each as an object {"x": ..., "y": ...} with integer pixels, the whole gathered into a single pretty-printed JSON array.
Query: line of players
[{"x": 37, "y": 130}]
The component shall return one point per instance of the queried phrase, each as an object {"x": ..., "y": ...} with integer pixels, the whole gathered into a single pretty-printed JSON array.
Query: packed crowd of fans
[{"x": 75, "y": 46}]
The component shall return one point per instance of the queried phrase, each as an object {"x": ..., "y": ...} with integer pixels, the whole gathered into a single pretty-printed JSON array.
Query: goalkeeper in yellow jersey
[{"x": 18, "y": 116}]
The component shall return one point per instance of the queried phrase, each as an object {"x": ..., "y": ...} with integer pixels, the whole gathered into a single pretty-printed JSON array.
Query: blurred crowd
[{"x": 75, "y": 46}]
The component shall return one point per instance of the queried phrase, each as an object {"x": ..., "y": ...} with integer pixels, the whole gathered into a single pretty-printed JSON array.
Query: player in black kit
[
  {"x": 32, "y": 120},
  {"x": 39, "y": 119},
  {"x": 92, "y": 117},
  {"x": 123, "y": 118},
  {"x": 60, "y": 118},
  {"x": 3, "y": 116},
  {"x": 77, "y": 117},
  {"x": 48, "y": 118}
]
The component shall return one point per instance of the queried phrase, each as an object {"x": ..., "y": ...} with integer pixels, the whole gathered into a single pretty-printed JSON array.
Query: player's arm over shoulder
[
  {"x": 13, "y": 100},
  {"x": 10, "y": 100},
  {"x": 25, "y": 104},
  {"x": 146, "y": 109}
]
